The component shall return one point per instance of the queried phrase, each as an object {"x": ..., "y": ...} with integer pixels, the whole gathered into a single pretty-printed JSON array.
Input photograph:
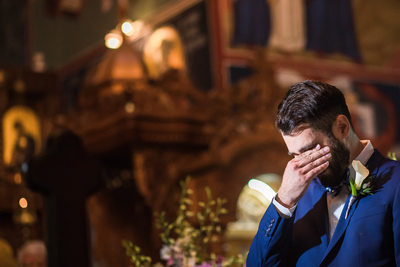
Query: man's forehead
[
  {"x": 302, "y": 132},
  {"x": 300, "y": 128}
]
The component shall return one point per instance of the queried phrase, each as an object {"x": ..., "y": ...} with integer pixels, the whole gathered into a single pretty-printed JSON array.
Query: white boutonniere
[{"x": 360, "y": 185}]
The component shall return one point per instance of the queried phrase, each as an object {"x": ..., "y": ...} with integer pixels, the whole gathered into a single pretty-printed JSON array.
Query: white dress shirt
[{"x": 335, "y": 203}]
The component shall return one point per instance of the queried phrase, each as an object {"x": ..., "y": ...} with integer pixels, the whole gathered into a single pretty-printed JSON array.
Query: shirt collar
[{"x": 366, "y": 153}]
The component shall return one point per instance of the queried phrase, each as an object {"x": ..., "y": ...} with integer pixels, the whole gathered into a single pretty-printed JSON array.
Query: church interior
[{"x": 113, "y": 110}]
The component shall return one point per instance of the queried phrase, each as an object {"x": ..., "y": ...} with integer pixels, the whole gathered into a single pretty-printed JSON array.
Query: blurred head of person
[{"x": 33, "y": 254}]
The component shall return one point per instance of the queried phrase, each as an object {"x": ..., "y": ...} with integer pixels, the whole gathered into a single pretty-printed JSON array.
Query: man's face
[{"x": 307, "y": 139}]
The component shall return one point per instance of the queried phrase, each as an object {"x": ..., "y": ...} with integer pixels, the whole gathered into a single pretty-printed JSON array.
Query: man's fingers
[
  {"x": 316, "y": 163},
  {"x": 316, "y": 171},
  {"x": 312, "y": 155},
  {"x": 307, "y": 155}
]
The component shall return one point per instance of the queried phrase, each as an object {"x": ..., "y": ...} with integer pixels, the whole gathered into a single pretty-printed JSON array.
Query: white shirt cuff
[{"x": 283, "y": 211}]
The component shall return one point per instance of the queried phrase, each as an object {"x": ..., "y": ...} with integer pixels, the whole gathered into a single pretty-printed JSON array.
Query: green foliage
[
  {"x": 392, "y": 155},
  {"x": 367, "y": 190},
  {"x": 353, "y": 187},
  {"x": 134, "y": 254}
]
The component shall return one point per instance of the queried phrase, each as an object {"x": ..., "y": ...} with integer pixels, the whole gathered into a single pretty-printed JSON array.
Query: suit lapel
[
  {"x": 343, "y": 223},
  {"x": 340, "y": 228}
]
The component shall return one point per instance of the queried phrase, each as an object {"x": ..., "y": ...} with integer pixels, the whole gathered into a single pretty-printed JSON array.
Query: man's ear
[{"x": 341, "y": 127}]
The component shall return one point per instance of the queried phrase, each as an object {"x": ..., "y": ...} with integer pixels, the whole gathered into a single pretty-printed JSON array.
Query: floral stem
[{"x": 351, "y": 202}]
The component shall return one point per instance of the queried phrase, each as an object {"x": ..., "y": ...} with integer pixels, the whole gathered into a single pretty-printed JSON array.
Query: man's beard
[{"x": 338, "y": 164}]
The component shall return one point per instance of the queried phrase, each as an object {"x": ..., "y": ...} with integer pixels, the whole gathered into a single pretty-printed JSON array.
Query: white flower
[
  {"x": 165, "y": 252},
  {"x": 361, "y": 173},
  {"x": 192, "y": 260}
]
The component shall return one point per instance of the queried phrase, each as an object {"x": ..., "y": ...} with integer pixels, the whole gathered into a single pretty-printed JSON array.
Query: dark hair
[{"x": 311, "y": 103}]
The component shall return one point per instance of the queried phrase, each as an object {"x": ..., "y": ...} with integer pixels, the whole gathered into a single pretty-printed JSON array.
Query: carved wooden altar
[{"x": 165, "y": 130}]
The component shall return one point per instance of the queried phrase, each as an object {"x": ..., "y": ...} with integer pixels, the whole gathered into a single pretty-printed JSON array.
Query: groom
[{"x": 310, "y": 221}]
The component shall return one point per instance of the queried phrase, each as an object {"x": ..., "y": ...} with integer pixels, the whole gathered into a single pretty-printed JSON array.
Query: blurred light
[
  {"x": 129, "y": 107},
  {"x": 17, "y": 178},
  {"x": 263, "y": 188},
  {"x": 127, "y": 27},
  {"x": 138, "y": 26},
  {"x": 113, "y": 39},
  {"x": 139, "y": 30},
  {"x": 23, "y": 203},
  {"x": 38, "y": 62}
]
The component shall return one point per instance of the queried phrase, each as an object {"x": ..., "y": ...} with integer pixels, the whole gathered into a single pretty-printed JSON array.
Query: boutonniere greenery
[
  {"x": 360, "y": 185},
  {"x": 392, "y": 155}
]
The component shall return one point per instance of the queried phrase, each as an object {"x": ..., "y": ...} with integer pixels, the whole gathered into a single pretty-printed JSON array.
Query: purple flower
[
  {"x": 219, "y": 260},
  {"x": 170, "y": 261}
]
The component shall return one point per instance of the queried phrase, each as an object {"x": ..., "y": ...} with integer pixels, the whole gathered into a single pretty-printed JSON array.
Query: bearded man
[{"x": 317, "y": 218}]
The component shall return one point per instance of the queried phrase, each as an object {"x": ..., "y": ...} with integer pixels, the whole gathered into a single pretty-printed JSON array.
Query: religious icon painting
[
  {"x": 21, "y": 135},
  {"x": 164, "y": 51}
]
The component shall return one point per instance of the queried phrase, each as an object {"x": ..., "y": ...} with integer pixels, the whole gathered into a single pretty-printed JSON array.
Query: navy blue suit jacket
[{"x": 370, "y": 236}]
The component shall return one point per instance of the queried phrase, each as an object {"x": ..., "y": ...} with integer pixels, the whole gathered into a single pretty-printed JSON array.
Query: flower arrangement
[{"x": 186, "y": 245}]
